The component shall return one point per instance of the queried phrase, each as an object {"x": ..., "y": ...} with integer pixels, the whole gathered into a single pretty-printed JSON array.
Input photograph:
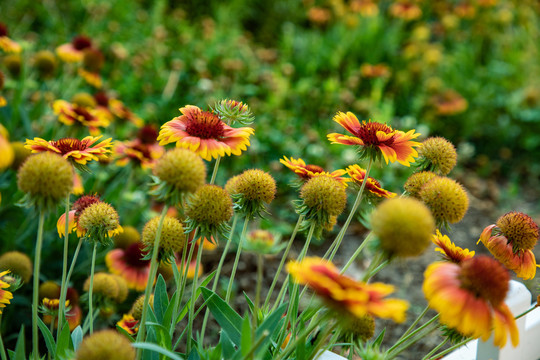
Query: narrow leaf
[
  {"x": 158, "y": 349},
  {"x": 64, "y": 341},
  {"x": 19, "y": 353},
  {"x": 226, "y": 317},
  {"x": 228, "y": 346},
  {"x": 49, "y": 340},
  {"x": 161, "y": 299},
  {"x": 246, "y": 340},
  {"x": 76, "y": 337}
]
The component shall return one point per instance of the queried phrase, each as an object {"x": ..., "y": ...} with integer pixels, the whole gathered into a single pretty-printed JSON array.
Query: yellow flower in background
[
  {"x": 393, "y": 145},
  {"x": 7, "y": 154},
  {"x": 358, "y": 175},
  {"x": 5, "y": 295},
  {"x": 6, "y": 44},
  {"x": 74, "y": 51},
  {"x": 204, "y": 133},
  {"x": 469, "y": 297},
  {"x": 308, "y": 171},
  {"x": 449, "y": 250},
  {"x": 345, "y": 294},
  {"x": 79, "y": 151},
  {"x": 70, "y": 114}
]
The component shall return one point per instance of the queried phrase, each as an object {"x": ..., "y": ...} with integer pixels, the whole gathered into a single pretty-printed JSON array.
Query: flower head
[
  {"x": 373, "y": 187},
  {"x": 105, "y": 344},
  {"x": 209, "y": 209},
  {"x": 178, "y": 172},
  {"x": 438, "y": 155},
  {"x": 263, "y": 242},
  {"x": 5, "y": 295},
  {"x": 129, "y": 236},
  {"x": 511, "y": 241},
  {"x": 46, "y": 178},
  {"x": 172, "y": 237},
  {"x": 74, "y": 51},
  {"x": 469, "y": 297},
  {"x": 449, "y": 103},
  {"x": 45, "y": 63},
  {"x": 234, "y": 111},
  {"x": 414, "y": 183},
  {"x": 79, "y": 152},
  {"x": 6, "y": 44},
  {"x": 307, "y": 171},
  {"x": 73, "y": 216},
  {"x": 130, "y": 264},
  {"x": 376, "y": 139},
  {"x": 105, "y": 287},
  {"x": 405, "y": 9},
  {"x": 450, "y": 252},
  {"x": 71, "y": 114},
  {"x": 252, "y": 191},
  {"x": 17, "y": 263},
  {"x": 137, "y": 307},
  {"x": 129, "y": 324},
  {"x": 99, "y": 221},
  {"x": 375, "y": 71},
  {"x": 7, "y": 154},
  {"x": 345, "y": 294},
  {"x": 204, "y": 133},
  {"x": 144, "y": 150},
  {"x": 447, "y": 200},
  {"x": 404, "y": 226}
]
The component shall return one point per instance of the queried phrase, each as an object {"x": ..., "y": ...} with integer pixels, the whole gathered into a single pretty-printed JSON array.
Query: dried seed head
[{"x": 446, "y": 199}]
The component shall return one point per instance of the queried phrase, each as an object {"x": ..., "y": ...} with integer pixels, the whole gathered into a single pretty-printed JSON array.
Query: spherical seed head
[
  {"x": 45, "y": 63},
  {"x": 18, "y": 263},
  {"x": 104, "y": 285},
  {"x": 123, "y": 289},
  {"x": 446, "y": 199},
  {"x": 105, "y": 345},
  {"x": 404, "y": 226},
  {"x": 256, "y": 185},
  {"x": 98, "y": 219},
  {"x": 49, "y": 289},
  {"x": 231, "y": 185},
  {"x": 440, "y": 153},
  {"x": 324, "y": 193},
  {"x": 12, "y": 62},
  {"x": 93, "y": 59},
  {"x": 46, "y": 178},
  {"x": 172, "y": 237},
  {"x": 182, "y": 169},
  {"x": 520, "y": 230},
  {"x": 485, "y": 277},
  {"x": 20, "y": 154},
  {"x": 414, "y": 183},
  {"x": 137, "y": 308},
  {"x": 362, "y": 328},
  {"x": 211, "y": 205},
  {"x": 83, "y": 99},
  {"x": 129, "y": 236}
]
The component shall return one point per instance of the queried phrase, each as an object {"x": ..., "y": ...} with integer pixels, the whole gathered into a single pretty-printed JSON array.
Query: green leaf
[
  {"x": 202, "y": 286},
  {"x": 164, "y": 337},
  {"x": 158, "y": 349},
  {"x": 249, "y": 302},
  {"x": 378, "y": 341},
  {"x": 64, "y": 341},
  {"x": 19, "y": 353},
  {"x": 246, "y": 340},
  {"x": 161, "y": 299},
  {"x": 125, "y": 333},
  {"x": 226, "y": 317},
  {"x": 227, "y": 345},
  {"x": 270, "y": 324},
  {"x": 49, "y": 340},
  {"x": 76, "y": 337}
]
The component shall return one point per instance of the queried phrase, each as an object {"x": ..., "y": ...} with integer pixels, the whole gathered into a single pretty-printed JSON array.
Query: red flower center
[
  {"x": 204, "y": 125},
  {"x": 148, "y": 134},
  {"x": 3, "y": 30},
  {"x": 66, "y": 145},
  {"x": 84, "y": 202},
  {"x": 81, "y": 42},
  {"x": 314, "y": 168},
  {"x": 133, "y": 255},
  {"x": 81, "y": 112},
  {"x": 486, "y": 278},
  {"x": 368, "y": 133},
  {"x": 143, "y": 150},
  {"x": 101, "y": 99}
]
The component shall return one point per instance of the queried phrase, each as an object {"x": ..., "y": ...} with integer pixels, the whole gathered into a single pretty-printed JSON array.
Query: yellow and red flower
[
  {"x": 449, "y": 250},
  {"x": 394, "y": 145},
  {"x": 345, "y": 294},
  {"x": 405, "y": 9},
  {"x": 115, "y": 107},
  {"x": 91, "y": 78},
  {"x": 6, "y": 44},
  {"x": 374, "y": 71},
  {"x": 73, "y": 312},
  {"x": 469, "y": 297},
  {"x": 129, "y": 264},
  {"x": 449, "y": 103},
  {"x": 358, "y": 176},
  {"x": 129, "y": 324},
  {"x": 511, "y": 241},
  {"x": 74, "y": 51},
  {"x": 306, "y": 172},
  {"x": 79, "y": 151},
  {"x": 366, "y": 8},
  {"x": 144, "y": 150},
  {"x": 5, "y": 295},
  {"x": 204, "y": 133},
  {"x": 70, "y": 114}
]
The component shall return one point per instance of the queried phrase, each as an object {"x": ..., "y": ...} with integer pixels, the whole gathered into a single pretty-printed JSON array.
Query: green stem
[
  {"x": 236, "y": 260},
  {"x": 74, "y": 260},
  {"x": 337, "y": 242},
  {"x": 218, "y": 272},
  {"x": 283, "y": 259},
  {"x": 435, "y": 349},
  {"x": 63, "y": 287},
  {"x": 141, "y": 335},
  {"x": 413, "y": 325},
  {"x": 357, "y": 252},
  {"x": 526, "y": 312},
  {"x": 214, "y": 172},
  {"x": 321, "y": 338},
  {"x": 377, "y": 264},
  {"x": 193, "y": 297},
  {"x": 2, "y": 349},
  {"x": 259, "y": 283},
  {"x": 91, "y": 288},
  {"x": 409, "y": 336},
  {"x": 291, "y": 346},
  {"x": 450, "y": 349},
  {"x": 179, "y": 293},
  {"x": 35, "y": 295}
]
